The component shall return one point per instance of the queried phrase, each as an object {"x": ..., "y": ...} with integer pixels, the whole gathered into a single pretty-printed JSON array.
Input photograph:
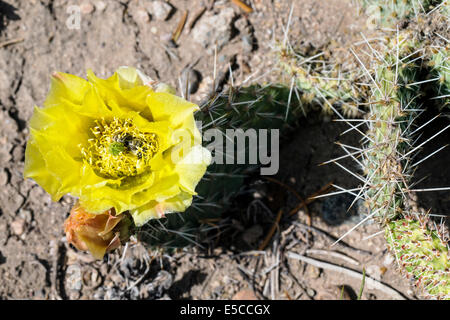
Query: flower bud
[{"x": 96, "y": 233}]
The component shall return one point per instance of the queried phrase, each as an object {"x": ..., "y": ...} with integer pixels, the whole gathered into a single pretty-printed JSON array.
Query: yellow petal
[
  {"x": 36, "y": 169},
  {"x": 66, "y": 86},
  {"x": 165, "y": 106},
  {"x": 132, "y": 98},
  {"x": 192, "y": 168},
  {"x": 156, "y": 210},
  {"x": 131, "y": 77}
]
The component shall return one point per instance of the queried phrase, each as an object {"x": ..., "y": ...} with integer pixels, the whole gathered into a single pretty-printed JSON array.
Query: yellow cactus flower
[{"x": 124, "y": 142}]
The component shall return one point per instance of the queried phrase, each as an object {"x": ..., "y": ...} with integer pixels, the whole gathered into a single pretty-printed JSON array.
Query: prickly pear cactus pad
[
  {"x": 394, "y": 95},
  {"x": 421, "y": 254}
]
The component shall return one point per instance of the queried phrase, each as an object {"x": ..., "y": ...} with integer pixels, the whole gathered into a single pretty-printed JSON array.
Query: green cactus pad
[{"x": 421, "y": 254}]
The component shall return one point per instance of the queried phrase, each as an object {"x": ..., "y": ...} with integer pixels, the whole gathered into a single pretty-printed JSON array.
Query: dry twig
[
  {"x": 10, "y": 42},
  {"x": 328, "y": 266}
]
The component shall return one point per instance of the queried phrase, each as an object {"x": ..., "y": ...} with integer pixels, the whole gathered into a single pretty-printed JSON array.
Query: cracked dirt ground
[{"x": 35, "y": 259}]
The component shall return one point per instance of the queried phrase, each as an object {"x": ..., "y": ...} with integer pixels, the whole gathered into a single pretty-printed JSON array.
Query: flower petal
[
  {"x": 157, "y": 210},
  {"x": 165, "y": 106},
  {"x": 66, "y": 86}
]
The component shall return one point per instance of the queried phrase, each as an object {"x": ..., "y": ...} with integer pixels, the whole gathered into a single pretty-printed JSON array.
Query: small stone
[
  {"x": 86, "y": 8},
  {"x": 160, "y": 10},
  {"x": 165, "y": 37},
  {"x": 212, "y": 29},
  {"x": 311, "y": 292},
  {"x": 246, "y": 294},
  {"x": 18, "y": 226},
  {"x": 154, "y": 30},
  {"x": 313, "y": 271},
  {"x": 3, "y": 178},
  {"x": 73, "y": 278},
  {"x": 26, "y": 215},
  {"x": 100, "y": 6},
  {"x": 140, "y": 15}
]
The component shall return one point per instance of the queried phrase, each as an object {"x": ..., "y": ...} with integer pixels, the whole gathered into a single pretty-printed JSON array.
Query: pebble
[
  {"x": 140, "y": 15},
  {"x": 3, "y": 178},
  {"x": 311, "y": 292},
  {"x": 213, "y": 29},
  {"x": 73, "y": 277},
  {"x": 165, "y": 37},
  {"x": 313, "y": 272},
  {"x": 26, "y": 215},
  {"x": 246, "y": 294},
  {"x": 18, "y": 226},
  {"x": 160, "y": 10},
  {"x": 86, "y": 8},
  {"x": 100, "y": 6}
]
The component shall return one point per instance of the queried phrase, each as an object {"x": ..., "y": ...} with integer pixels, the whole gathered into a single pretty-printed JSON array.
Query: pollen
[{"x": 119, "y": 149}]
